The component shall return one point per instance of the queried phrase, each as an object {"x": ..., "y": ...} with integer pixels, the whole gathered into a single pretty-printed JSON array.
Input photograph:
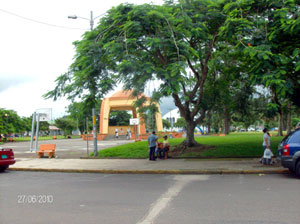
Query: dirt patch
[{"x": 182, "y": 149}]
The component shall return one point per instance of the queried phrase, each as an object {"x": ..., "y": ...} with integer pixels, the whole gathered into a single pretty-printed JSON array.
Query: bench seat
[{"x": 46, "y": 148}]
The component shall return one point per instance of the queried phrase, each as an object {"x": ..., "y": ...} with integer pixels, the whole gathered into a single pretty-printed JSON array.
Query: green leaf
[{"x": 297, "y": 66}]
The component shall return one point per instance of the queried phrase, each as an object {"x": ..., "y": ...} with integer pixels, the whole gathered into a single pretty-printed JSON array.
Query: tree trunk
[
  {"x": 289, "y": 125},
  {"x": 226, "y": 121},
  {"x": 190, "y": 137},
  {"x": 208, "y": 123},
  {"x": 280, "y": 125}
]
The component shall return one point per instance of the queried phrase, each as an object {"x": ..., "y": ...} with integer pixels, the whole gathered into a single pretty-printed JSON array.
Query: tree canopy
[{"x": 203, "y": 53}]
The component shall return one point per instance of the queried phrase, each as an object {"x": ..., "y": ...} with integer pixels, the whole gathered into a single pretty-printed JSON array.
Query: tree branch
[
  {"x": 193, "y": 69},
  {"x": 211, "y": 45},
  {"x": 179, "y": 105},
  {"x": 202, "y": 116},
  {"x": 204, "y": 70},
  {"x": 161, "y": 57},
  {"x": 184, "y": 90},
  {"x": 144, "y": 48},
  {"x": 173, "y": 36}
]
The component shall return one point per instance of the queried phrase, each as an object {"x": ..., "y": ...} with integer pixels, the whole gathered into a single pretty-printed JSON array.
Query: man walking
[{"x": 152, "y": 139}]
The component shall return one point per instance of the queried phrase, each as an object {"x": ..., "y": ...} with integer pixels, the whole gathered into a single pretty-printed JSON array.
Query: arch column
[
  {"x": 158, "y": 119},
  {"x": 104, "y": 116},
  {"x": 123, "y": 100}
]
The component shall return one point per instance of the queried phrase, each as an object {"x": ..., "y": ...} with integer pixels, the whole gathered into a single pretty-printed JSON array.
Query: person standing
[
  {"x": 128, "y": 134},
  {"x": 266, "y": 141},
  {"x": 117, "y": 133},
  {"x": 152, "y": 139},
  {"x": 166, "y": 146}
]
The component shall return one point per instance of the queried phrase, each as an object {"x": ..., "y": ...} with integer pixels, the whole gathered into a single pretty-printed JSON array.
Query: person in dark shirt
[{"x": 152, "y": 139}]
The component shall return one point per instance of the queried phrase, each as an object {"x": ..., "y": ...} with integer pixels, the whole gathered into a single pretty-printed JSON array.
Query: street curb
[{"x": 199, "y": 172}]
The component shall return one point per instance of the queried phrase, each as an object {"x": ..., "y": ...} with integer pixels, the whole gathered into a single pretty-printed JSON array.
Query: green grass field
[{"x": 235, "y": 145}]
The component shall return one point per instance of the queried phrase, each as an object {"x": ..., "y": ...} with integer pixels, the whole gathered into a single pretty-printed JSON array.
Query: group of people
[
  {"x": 128, "y": 133},
  {"x": 157, "y": 149},
  {"x": 268, "y": 154}
]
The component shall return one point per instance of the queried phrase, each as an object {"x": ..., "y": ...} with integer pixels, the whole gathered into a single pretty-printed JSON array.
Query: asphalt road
[
  {"x": 37, "y": 197},
  {"x": 65, "y": 148}
]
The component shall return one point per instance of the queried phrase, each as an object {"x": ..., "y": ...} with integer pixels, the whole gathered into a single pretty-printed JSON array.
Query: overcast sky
[{"x": 33, "y": 54}]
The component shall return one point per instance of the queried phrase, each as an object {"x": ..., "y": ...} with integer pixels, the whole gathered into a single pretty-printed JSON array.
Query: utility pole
[
  {"x": 87, "y": 135},
  {"x": 95, "y": 133},
  {"x": 32, "y": 131},
  {"x": 91, "y": 19}
]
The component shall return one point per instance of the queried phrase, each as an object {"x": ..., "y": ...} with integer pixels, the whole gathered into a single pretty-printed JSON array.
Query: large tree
[
  {"x": 79, "y": 111},
  {"x": 175, "y": 45},
  {"x": 66, "y": 124},
  {"x": 267, "y": 31},
  {"x": 11, "y": 122},
  {"x": 88, "y": 78},
  {"x": 172, "y": 44}
]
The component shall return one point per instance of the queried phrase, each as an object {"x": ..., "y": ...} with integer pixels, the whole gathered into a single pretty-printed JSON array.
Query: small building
[
  {"x": 172, "y": 116},
  {"x": 54, "y": 130}
]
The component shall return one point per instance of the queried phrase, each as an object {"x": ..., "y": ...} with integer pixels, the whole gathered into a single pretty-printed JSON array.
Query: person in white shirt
[
  {"x": 117, "y": 133},
  {"x": 128, "y": 134},
  {"x": 266, "y": 141}
]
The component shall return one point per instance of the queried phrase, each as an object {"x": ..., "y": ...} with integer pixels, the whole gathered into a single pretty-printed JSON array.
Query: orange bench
[
  {"x": 167, "y": 153},
  {"x": 11, "y": 139},
  {"x": 160, "y": 146},
  {"x": 46, "y": 148}
]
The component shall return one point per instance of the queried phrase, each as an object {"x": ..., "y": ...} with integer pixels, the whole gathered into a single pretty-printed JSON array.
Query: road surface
[{"x": 38, "y": 197}]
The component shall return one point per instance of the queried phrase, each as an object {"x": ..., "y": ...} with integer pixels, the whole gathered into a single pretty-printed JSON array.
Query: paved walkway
[
  {"x": 69, "y": 152},
  {"x": 170, "y": 166},
  {"x": 65, "y": 148}
]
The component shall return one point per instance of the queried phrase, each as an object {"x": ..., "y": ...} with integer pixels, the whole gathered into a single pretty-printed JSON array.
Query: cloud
[{"x": 7, "y": 82}]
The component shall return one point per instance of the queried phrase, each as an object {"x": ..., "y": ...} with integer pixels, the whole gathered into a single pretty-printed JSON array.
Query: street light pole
[
  {"x": 171, "y": 121},
  {"x": 92, "y": 19}
]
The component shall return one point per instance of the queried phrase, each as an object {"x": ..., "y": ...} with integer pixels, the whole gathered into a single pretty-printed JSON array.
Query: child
[
  {"x": 159, "y": 150},
  {"x": 166, "y": 147},
  {"x": 267, "y": 156}
]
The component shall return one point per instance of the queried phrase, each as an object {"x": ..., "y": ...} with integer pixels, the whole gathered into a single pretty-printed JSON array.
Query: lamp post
[
  {"x": 6, "y": 118},
  {"x": 4, "y": 122},
  {"x": 171, "y": 121},
  {"x": 91, "y": 19}
]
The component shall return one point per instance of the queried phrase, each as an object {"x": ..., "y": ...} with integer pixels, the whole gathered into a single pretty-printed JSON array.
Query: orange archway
[{"x": 123, "y": 100}]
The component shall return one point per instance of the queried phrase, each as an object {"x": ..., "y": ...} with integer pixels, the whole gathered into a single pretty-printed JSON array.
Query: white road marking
[{"x": 167, "y": 197}]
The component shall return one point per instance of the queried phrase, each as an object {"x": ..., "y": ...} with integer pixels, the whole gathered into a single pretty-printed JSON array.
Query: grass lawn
[{"x": 235, "y": 145}]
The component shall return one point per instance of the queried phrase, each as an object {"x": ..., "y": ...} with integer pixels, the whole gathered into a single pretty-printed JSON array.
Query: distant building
[
  {"x": 172, "y": 116},
  {"x": 54, "y": 130}
]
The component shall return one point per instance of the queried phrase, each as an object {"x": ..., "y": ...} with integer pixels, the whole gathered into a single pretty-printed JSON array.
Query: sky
[{"x": 36, "y": 47}]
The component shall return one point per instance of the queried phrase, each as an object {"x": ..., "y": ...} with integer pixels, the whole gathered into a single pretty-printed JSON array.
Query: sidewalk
[{"x": 143, "y": 166}]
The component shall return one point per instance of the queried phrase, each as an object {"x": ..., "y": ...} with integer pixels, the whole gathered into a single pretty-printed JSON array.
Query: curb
[{"x": 199, "y": 172}]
